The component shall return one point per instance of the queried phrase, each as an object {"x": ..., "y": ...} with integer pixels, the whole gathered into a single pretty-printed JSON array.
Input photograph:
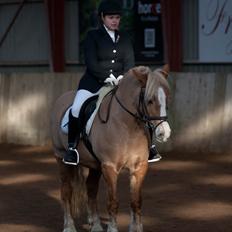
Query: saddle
[
  {"x": 87, "y": 114},
  {"x": 88, "y": 111}
]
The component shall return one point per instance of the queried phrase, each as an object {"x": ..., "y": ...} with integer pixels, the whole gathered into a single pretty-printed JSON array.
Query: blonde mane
[{"x": 154, "y": 81}]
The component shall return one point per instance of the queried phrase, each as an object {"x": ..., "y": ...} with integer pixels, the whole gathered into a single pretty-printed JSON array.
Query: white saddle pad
[{"x": 64, "y": 122}]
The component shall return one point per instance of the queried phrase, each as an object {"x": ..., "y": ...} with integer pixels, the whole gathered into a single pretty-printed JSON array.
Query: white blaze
[
  {"x": 162, "y": 101},
  {"x": 163, "y": 131}
]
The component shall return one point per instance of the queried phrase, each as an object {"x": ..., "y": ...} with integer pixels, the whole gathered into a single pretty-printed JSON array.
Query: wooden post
[{"x": 55, "y": 12}]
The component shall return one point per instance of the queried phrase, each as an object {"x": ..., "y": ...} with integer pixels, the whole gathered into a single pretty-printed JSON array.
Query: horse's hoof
[
  {"x": 97, "y": 228},
  {"x": 112, "y": 229},
  {"x": 72, "y": 229},
  {"x": 136, "y": 228}
]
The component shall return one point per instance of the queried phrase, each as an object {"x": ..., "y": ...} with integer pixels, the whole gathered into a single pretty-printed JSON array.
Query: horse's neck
[
  {"x": 128, "y": 92},
  {"x": 128, "y": 95}
]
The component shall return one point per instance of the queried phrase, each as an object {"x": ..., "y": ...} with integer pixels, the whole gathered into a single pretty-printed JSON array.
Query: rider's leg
[
  {"x": 75, "y": 127},
  {"x": 154, "y": 155}
]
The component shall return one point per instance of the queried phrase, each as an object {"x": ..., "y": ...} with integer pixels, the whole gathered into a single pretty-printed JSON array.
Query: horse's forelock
[
  {"x": 154, "y": 81},
  {"x": 143, "y": 70},
  {"x": 140, "y": 73}
]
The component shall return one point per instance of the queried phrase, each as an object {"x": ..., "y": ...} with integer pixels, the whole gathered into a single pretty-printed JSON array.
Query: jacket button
[
  {"x": 114, "y": 51},
  {"x": 111, "y": 70},
  {"x": 112, "y": 61}
]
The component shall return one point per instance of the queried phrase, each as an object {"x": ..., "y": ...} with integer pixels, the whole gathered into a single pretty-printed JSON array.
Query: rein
[
  {"x": 112, "y": 92},
  {"x": 142, "y": 116}
]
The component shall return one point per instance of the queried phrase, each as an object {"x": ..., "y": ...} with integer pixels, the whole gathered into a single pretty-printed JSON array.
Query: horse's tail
[{"x": 79, "y": 193}]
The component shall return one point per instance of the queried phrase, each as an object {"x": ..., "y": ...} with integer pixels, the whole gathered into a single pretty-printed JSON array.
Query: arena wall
[{"x": 200, "y": 109}]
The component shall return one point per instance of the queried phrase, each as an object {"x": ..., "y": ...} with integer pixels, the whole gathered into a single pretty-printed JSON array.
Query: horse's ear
[
  {"x": 165, "y": 70},
  {"x": 141, "y": 73}
]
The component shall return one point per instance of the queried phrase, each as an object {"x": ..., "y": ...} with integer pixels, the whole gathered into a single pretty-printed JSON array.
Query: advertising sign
[
  {"x": 148, "y": 31},
  {"x": 215, "y": 30}
]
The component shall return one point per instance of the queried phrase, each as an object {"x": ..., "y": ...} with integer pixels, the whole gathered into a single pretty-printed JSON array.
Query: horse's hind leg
[
  {"x": 92, "y": 184},
  {"x": 136, "y": 179},
  {"x": 111, "y": 176},
  {"x": 67, "y": 177}
]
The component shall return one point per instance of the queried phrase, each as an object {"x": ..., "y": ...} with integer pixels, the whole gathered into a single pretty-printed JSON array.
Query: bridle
[{"x": 141, "y": 114}]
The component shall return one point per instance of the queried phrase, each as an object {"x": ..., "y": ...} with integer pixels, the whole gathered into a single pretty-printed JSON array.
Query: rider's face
[{"x": 111, "y": 21}]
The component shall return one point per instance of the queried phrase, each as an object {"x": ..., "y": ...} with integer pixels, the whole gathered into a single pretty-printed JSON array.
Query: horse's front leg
[
  {"x": 92, "y": 184},
  {"x": 137, "y": 175},
  {"x": 111, "y": 175}
]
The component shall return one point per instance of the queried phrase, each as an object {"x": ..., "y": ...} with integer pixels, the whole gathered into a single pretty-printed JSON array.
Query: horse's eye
[{"x": 150, "y": 102}]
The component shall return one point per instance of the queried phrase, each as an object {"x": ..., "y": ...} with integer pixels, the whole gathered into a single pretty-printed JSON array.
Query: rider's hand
[
  {"x": 119, "y": 78},
  {"x": 113, "y": 80}
]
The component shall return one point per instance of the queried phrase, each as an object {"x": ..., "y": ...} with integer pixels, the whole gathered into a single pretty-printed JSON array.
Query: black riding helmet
[{"x": 109, "y": 7}]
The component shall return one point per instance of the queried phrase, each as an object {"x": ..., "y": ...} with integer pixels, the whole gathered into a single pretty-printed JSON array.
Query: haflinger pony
[{"x": 129, "y": 117}]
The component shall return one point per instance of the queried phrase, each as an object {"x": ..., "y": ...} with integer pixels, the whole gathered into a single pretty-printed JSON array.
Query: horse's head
[{"x": 154, "y": 99}]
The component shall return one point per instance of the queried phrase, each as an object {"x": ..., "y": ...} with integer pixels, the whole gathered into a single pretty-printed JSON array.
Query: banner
[
  {"x": 148, "y": 31},
  {"x": 215, "y": 30}
]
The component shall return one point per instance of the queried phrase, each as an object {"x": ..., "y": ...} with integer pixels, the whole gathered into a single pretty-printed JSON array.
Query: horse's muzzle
[{"x": 162, "y": 132}]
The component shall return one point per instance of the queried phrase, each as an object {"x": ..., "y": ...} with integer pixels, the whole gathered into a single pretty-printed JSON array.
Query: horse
[{"x": 129, "y": 117}]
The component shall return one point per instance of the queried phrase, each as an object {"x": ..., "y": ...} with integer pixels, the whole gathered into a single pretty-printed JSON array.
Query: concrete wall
[
  {"x": 200, "y": 110},
  {"x": 25, "y": 105}
]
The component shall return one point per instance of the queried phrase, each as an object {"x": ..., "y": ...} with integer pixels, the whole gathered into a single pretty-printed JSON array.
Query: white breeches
[{"x": 81, "y": 96}]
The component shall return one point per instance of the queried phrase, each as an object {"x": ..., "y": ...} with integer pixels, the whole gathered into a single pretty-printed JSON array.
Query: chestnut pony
[{"x": 129, "y": 117}]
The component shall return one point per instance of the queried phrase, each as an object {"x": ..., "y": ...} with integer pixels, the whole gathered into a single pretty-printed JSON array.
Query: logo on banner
[
  {"x": 149, "y": 8},
  {"x": 149, "y": 11}
]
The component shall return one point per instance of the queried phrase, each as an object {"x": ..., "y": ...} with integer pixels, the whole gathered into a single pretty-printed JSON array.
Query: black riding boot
[
  {"x": 154, "y": 155},
  {"x": 74, "y": 129}
]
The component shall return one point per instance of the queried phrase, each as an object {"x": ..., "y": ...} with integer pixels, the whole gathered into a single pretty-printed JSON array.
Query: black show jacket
[{"x": 103, "y": 57}]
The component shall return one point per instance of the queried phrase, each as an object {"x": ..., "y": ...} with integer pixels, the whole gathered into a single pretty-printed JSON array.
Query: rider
[{"x": 108, "y": 55}]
